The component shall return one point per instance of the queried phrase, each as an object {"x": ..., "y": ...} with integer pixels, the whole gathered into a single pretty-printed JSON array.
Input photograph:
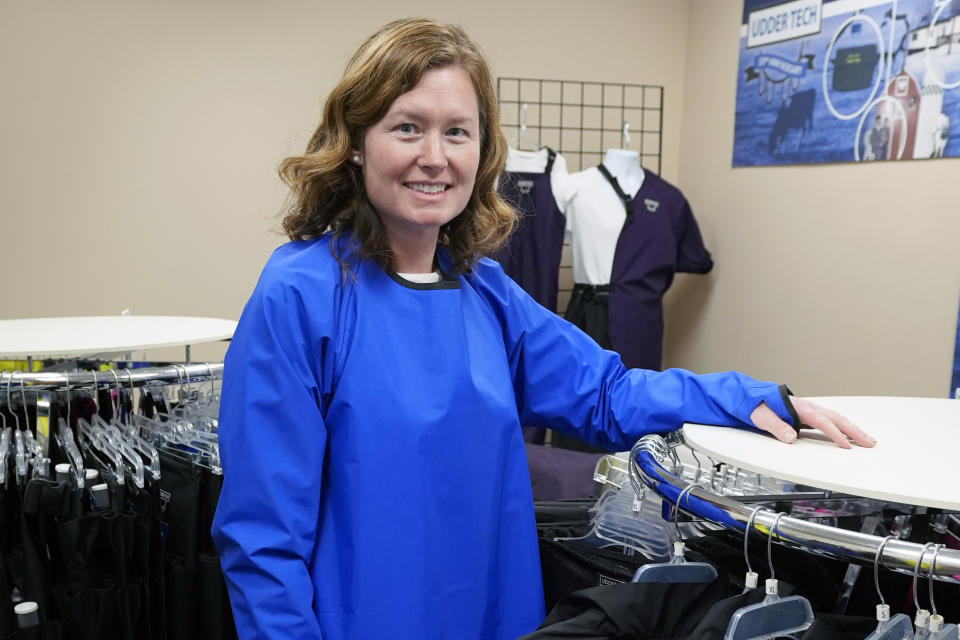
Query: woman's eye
[
  {"x": 407, "y": 128},
  {"x": 457, "y": 131}
]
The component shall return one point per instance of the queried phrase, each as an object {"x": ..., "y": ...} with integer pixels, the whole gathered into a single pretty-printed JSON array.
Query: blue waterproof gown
[{"x": 375, "y": 483}]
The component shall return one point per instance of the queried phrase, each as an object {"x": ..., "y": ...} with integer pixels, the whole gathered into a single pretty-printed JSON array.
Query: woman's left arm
[{"x": 564, "y": 380}]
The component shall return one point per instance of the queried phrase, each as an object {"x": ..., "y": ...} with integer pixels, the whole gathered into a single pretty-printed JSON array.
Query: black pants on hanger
[{"x": 196, "y": 597}]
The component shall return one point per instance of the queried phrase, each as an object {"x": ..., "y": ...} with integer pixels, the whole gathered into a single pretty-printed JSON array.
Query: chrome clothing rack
[
  {"x": 179, "y": 373},
  {"x": 650, "y": 453}
]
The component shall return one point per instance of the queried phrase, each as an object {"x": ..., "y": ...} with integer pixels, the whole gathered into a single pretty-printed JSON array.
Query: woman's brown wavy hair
[{"x": 327, "y": 190}]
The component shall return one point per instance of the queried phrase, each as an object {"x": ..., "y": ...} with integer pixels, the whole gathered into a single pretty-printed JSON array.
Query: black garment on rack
[
  {"x": 196, "y": 598},
  {"x": 828, "y": 626},
  {"x": 569, "y": 566},
  {"x": 699, "y": 611},
  {"x": 818, "y": 579},
  {"x": 100, "y": 574},
  {"x": 589, "y": 309},
  {"x": 78, "y": 566},
  {"x": 562, "y": 513}
]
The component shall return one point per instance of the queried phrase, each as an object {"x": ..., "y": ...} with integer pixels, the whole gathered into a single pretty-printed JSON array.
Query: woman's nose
[{"x": 432, "y": 153}]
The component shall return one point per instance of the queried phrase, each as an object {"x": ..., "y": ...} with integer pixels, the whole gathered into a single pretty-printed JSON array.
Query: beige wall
[
  {"x": 141, "y": 140},
  {"x": 140, "y": 143},
  {"x": 838, "y": 279}
]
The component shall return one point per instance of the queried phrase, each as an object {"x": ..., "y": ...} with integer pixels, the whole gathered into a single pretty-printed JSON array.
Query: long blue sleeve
[
  {"x": 563, "y": 379},
  {"x": 272, "y": 442}
]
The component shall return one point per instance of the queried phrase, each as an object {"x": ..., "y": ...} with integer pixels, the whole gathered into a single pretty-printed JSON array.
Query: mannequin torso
[{"x": 624, "y": 165}]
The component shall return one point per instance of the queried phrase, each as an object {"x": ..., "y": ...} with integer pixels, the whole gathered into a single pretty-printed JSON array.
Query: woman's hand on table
[{"x": 812, "y": 415}]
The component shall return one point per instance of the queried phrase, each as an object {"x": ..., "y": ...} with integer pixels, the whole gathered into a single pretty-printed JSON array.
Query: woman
[{"x": 375, "y": 481}]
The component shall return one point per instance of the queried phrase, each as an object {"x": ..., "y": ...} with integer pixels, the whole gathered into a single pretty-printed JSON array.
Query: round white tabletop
[
  {"x": 79, "y": 336},
  {"x": 912, "y": 463}
]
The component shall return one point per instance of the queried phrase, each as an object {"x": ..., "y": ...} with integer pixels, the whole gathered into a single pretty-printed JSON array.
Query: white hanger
[
  {"x": 752, "y": 578},
  {"x": 937, "y": 628},
  {"x": 921, "y": 619},
  {"x": 896, "y": 628}
]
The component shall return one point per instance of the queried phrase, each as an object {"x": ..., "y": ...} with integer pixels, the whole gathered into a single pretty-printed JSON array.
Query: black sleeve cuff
[{"x": 785, "y": 394}]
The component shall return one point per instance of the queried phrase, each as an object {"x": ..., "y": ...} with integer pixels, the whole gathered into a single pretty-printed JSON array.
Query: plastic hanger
[
  {"x": 634, "y": 520},
  {"x": 64, "y": 438},
  {"x": 775, "y": 616},
  {"x": 20, "y": 452},
  {"x": 615, "y": 523},
  {"x": 20, "y": 455},
  {"x": 210, "y": 405},
  {"x": 132, "y": 463},
  {"x": 521, "y": 130},
  {"x": 523, "y": 126},
  {"x": 180, "y": 439},
  {"x": 137, "y": 446},
  {"x": 30, "y": 447},
  {"x": 66, "y": 442},
  {"x": 677, "y": 570},
  {"x": 937, "y": 628},
  {"x": 611, "y": 470},
  {"x": 97, "y": 447},
  {"x": 174, "y": 435},
  {"x": 35, "y": 457},
  {"x": 5, "y": 435},
  {"x": 623, "y": 517},
  {"x": 897, "y": 628},
  {"x": 921, "y": 620}
]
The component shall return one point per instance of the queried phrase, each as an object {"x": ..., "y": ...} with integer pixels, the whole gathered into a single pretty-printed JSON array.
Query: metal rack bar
[
  {"x": 840, "y": 544},
  {"x": 184, "y": 373}
]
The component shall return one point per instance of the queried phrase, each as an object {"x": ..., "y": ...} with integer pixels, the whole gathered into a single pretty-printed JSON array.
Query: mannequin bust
[{"x": 624, "y": 165}]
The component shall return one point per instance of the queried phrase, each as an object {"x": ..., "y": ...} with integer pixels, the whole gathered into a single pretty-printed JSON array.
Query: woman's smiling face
[{"x": 420, "y": 160}]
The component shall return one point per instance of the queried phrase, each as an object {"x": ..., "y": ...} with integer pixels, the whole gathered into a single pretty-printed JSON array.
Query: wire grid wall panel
[{"x": 581, "y": 120}]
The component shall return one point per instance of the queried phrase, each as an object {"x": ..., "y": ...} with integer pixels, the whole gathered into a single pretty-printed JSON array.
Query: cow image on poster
[
  {"x": 797, "y": 114},
  {"x": 940, "y": 134}
]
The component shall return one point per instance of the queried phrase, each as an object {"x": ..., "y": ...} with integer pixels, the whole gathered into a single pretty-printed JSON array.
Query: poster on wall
[{"x": 847, "y": 81}]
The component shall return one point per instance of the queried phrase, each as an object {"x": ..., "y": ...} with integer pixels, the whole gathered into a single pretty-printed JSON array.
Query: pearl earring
[{"x": 356, "y": 158}]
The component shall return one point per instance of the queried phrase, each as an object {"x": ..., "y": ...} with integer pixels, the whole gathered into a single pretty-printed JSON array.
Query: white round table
[
  {"x": 89, "y": 335},
  {"x": 914, "y": 462}
]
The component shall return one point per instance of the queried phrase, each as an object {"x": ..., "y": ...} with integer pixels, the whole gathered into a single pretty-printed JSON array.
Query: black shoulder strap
[
  {"x": 551, "y": 156},
  {"x": 627, "y": 200}
]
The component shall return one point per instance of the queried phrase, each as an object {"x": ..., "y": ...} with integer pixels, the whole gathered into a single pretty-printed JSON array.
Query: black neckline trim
[{"x": 444, "y": 283}]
